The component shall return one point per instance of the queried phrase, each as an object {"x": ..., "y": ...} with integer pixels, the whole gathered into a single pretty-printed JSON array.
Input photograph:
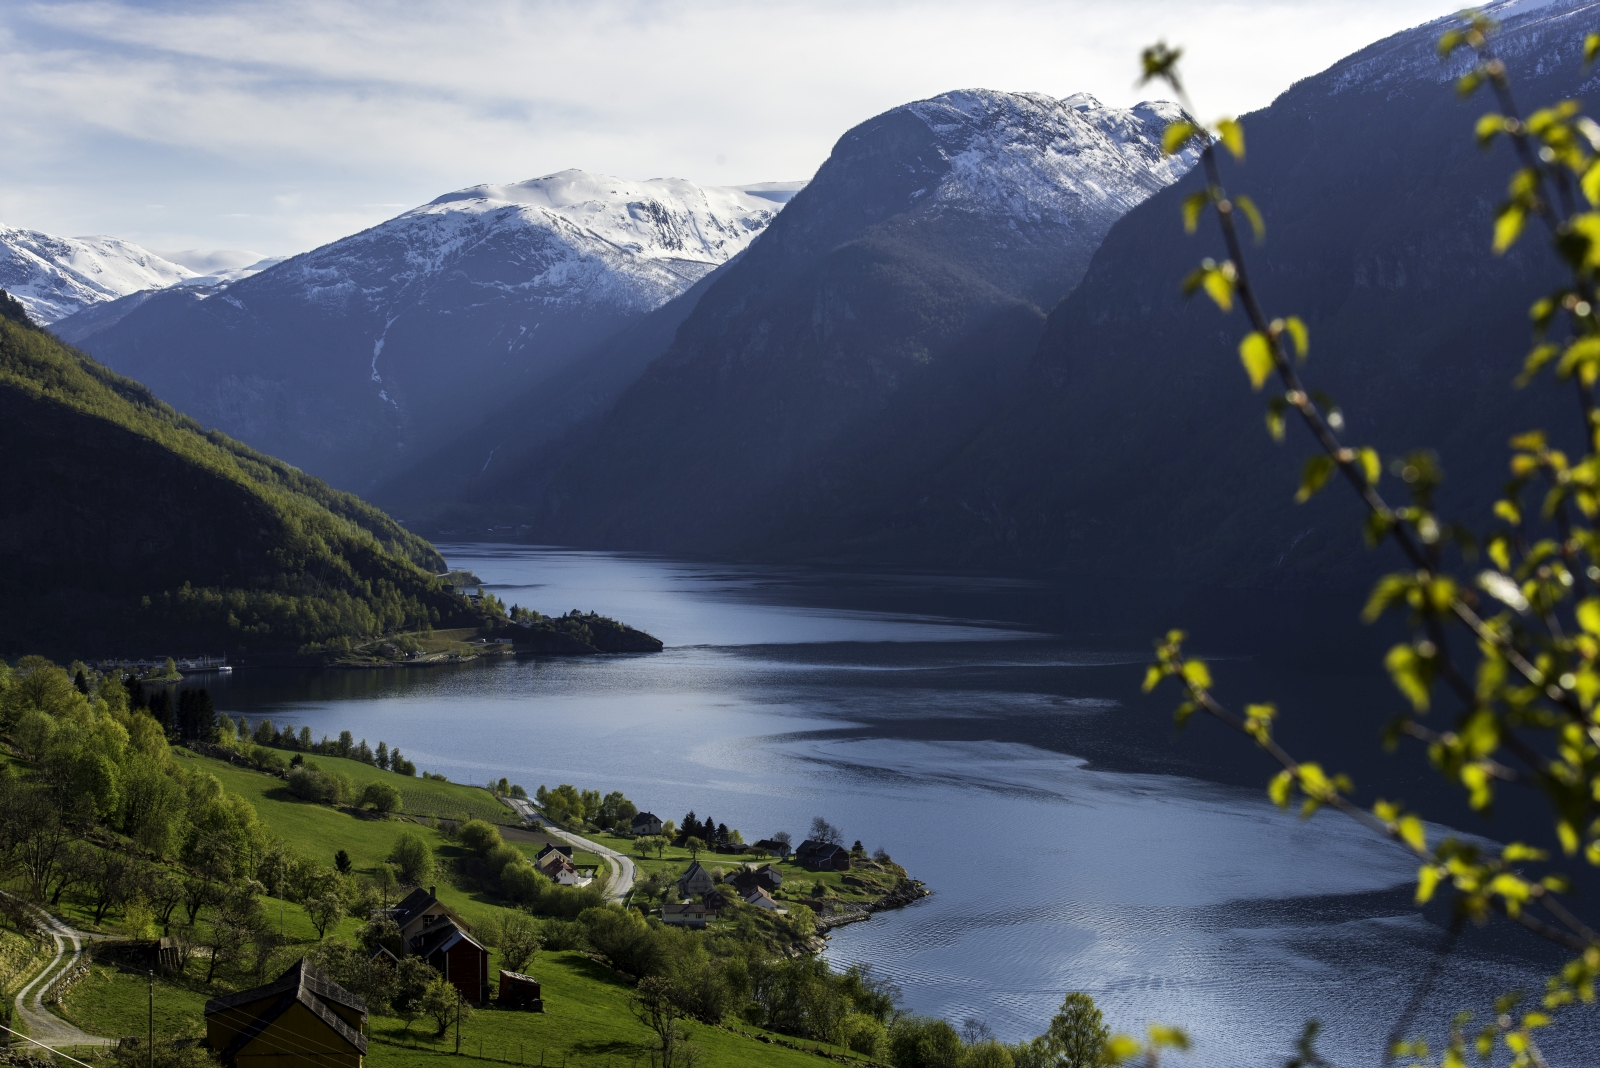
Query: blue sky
[{"x": 279, "y": 126}]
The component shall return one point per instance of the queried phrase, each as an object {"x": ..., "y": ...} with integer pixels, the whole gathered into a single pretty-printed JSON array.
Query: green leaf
[
  {"x": 1276, "y": 407},
  {"x": 1255, "y": 352},
  {"x": 1490, "y": 125},
  {"x": 1278, "y": 789},
  {"x": 1468, "y": 83},
  {"x": 1451, "y": 40},
  {"x": 1193, "y": 205},
  {"x": 1541, "y": 355},
  {"x": 1196, "y": 674},
  {"x": 1591, "y": 48},
  {"x": 1258, "y": 225},
  {"x": 1508, "y": 226},
  {"x": 1232, "y": 136},
  {"x": 1411, "y": 675},
  {"x": 1584, "y": 352},
  {"x": 1427, "y": 883},
  {"x": 1219, "y": 287},
  {"x": 1591, "y": 182},
  {"x": 1317, "y": 471},
  {"x": 1302, "y": 336},
  {"x": 1177, "y": 135},
  {"x": 1589, "y": 615},
  {"x": 1370, "y": 467},
  {"x": 1412, "y": 833}
]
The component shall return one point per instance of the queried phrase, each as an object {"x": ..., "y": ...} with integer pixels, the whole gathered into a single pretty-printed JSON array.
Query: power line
[{"x": 41, "y": 1045}]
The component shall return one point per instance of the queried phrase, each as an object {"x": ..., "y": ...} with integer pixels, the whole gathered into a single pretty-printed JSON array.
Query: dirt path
[
  {"x": 622, "y": 868},
  {"x": 43, "y": 1025}
]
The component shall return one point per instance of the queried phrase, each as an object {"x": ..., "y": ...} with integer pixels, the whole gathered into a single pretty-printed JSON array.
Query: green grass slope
[
  {"x": 586, "y": 1022},
  {"x": 128, "y": 529}
]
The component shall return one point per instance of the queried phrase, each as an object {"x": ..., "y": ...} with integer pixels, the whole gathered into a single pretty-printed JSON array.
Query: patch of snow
[
  {"x": 56, "y": 276},
  {"x": 1043, "y": 160}
]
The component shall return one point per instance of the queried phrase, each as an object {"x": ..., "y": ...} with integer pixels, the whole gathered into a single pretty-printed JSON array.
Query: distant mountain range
[
  {"x": 874, "y": 380},
  {"x": 868, "y": 334},
  {"x": 54, "y": 277},
  {"x": 358, "y": 359}
]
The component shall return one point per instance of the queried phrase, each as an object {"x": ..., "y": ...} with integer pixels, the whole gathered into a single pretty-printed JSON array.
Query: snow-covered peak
[
  {"x": 1042, "y": 159},
  {"x": 663, "y": 218},
  {"x": 56, "y": 276}
]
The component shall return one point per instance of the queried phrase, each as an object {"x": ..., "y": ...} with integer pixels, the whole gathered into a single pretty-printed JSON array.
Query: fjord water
[{"x": 1071, "y": 842}]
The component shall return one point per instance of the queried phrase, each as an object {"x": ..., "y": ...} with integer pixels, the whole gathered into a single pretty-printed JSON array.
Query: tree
[
  {"x": 520, "y": 940},
  {"x": 265, "y": 733},
  {"x": 783, "y": 839},
  {"x": 346, "y": 744},
  {"x": 442, "y": 1001},
  {"x": 654, "y": 1003},
  {"x": 480, "y": 836},
  {"x": 384, "y": 881},
  {"x": 823, "y": 831},
  {"x": 413, "y": 977},
  {"x": 111, "y": 881},
  {"x": 413, "y": 859},
  {"x": 305, "y": 739},
  {"x": 381, "y": 757},
  {"x": 237, "y": 922},
  {"x": 341, "y": 862},
  {"x": 695, "y": 846},
  {"x": 1512, "y": 647},
  {"x": 325, "y": 911},
  {"x": 380, "y": 797},
  {"x": 1077, "y": 1035}
]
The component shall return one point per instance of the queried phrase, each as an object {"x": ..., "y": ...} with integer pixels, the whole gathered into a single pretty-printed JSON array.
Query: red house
[{"x": 458, "y": 957}]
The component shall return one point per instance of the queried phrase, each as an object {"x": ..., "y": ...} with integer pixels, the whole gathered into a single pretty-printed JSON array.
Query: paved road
[
  {"x": 622, "y": 869},
  {"x": 43, "y": 1025}
]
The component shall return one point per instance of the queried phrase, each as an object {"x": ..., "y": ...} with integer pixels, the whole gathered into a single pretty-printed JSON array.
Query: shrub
[
  {"x": 311, "y": 783},
  {"x": 480, "y": 836},
  {"x": 380, "y": 797},
  {"x": 864, "y": 1035},
  {"x": 923, "y": 1042},
  {"x": 501, "y": 856},
  {"x": 412, "y": 857},
  {"x": 522, "y": 883}
]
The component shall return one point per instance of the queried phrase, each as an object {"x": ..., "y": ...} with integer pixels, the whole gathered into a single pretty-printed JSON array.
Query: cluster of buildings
[{"x": 752, "y": 884}]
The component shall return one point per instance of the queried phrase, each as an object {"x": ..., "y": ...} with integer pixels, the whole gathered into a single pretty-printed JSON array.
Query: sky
[{"x": 280, "y": 125}]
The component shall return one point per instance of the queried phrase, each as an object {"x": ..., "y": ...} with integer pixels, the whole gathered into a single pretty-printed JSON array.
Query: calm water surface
[{"x": 1070, "y": 843}]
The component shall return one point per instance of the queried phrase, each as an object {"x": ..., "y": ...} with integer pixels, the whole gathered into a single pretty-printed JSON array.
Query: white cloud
[{"x": 279, "y": 124}]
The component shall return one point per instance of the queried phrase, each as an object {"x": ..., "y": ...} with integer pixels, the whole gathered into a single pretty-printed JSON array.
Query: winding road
[
  {"x": 45, "y": 1026},
  {"x": 622, "y": 868}
]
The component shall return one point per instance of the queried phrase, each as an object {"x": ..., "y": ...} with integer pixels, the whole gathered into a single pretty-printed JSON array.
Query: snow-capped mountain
[
  {"x": 872, "y": 327},
  {"x": 54, "y": 277},
  {"x": 1034, "y": 158},
  {"x": 349, "y": 359}
]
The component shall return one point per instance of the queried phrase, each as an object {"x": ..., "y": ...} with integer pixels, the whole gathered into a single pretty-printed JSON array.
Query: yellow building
[{"x": 302, "y": 1019}]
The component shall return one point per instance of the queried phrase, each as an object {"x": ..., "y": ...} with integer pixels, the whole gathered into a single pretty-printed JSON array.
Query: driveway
[
  {"x": 622, "y": 869},
  {"x": 45, "y": 1026}
]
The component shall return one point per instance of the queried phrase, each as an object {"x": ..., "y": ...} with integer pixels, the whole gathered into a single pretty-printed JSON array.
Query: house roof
[
  {"x": 811, "y": 845},
  {"x": 683, "y": 909},
  {"x": 555, "y": 862},
  {"x": 442, "y": 938},
  {"x": 759, "y": 896},
  {"x": 564, "y": 850},
  {"x": 646, "y": 817},
  {"x": 302, "y": 983},
  {"x": 416, "y": 903},
  {"x": 693, "y": 868}
]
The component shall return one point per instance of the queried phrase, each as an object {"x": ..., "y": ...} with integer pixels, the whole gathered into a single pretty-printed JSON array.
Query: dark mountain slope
[
  {"x": 868, "y": 331},
  {"x": 125, "y": 529},
  {"x": 1135, "y": 445},
  {"x": 490, "y": 473}
]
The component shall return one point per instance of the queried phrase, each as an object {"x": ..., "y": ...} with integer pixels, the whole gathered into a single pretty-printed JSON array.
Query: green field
[{"x": 587, "y": 1022}]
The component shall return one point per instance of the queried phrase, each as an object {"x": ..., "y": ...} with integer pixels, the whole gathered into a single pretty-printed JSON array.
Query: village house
[
  {"x": 559, "y": 867},
  {"x": 553, "y": 847},
  {"x": 763, "y": 900},
  {"x": 302, "y": 1019},
  {"x": 715, "y": 902},
  {"x": 688, "y": 914},
  {"x": 773, "y": 847},
  {"x": 695, "y": 880},
  {"x": 646, "y": 823},
  {"x": 822, "y": 856},
  {"x": 766, "y": 877},
  {"x": 430, "y": 929}
]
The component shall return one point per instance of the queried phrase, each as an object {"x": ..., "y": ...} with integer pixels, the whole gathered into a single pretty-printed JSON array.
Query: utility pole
[
  {"x": 458, "y": 1023},
  {"x": 280, "y": 897},
  {"x": 151, "y": 1038}
]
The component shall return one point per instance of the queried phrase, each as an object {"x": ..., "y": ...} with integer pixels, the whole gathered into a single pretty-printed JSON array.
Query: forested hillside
[{"x": 127, "y": 529}]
